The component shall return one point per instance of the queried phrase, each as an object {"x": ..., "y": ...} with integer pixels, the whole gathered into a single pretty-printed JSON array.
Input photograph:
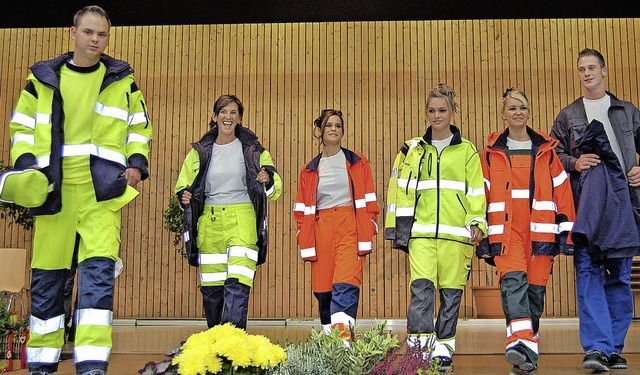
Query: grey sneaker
[{"x": 39, "y": 373}]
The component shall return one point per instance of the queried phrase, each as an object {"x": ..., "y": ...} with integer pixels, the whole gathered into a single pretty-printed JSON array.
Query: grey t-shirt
[
  {"x": 333, "y": 183},
  {"x": 226, "y": 181}
]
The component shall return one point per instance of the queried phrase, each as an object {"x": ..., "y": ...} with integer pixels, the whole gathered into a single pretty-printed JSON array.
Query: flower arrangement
[{"x": 223, "y": 349}]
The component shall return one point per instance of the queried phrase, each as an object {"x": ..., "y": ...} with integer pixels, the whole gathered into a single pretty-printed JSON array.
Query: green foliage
[
  {"x": 11, "y": 321},
  {"x": 327, "y": 354},
  {"x": 174, "y": 222},
  {"x": 305, "y": 358},
  {"x": 13, "y": 212}
]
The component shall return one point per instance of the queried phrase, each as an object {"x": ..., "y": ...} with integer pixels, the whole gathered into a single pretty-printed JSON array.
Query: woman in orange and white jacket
[
  {"x": 530, "y": 212},
  {"x": 336, "y": 211}
]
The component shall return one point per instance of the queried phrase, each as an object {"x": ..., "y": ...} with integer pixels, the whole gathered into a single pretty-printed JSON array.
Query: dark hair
[
  {"x": 445, "y": 92},
  {"x": 224, "y": 101},
  {"x": 592, "y": 52},
  {"x": 324, "y": 117},
  {"x": 90, "y": 9}
]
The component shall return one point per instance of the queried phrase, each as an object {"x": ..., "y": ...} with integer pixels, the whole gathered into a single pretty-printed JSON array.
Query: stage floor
[{"x": 480, "y": 344}]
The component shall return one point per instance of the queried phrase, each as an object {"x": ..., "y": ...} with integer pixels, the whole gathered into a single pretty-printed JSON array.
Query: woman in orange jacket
[
  {"x": 530, "y": 213},
  {"x": 336, "y": 211}
]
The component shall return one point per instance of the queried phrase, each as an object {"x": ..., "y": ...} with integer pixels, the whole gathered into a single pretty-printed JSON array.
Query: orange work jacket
[{"x": 364, "y": 203}]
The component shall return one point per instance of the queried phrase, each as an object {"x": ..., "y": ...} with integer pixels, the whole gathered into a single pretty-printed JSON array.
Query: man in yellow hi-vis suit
[{"x": 82, "y": 121}]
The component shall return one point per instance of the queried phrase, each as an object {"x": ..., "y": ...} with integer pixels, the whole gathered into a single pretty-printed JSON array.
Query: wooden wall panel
[{"x": 377, "y": 73}]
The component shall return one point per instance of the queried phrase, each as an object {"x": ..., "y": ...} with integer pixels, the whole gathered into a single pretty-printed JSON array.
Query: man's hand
[
  {"x": 133, "y": 176},
  {"x": 186, "y": 196},
  {"x": 587, "y": 161},
  {"x": 634, "y": 176},
  {"x": 476, "y": 234}
]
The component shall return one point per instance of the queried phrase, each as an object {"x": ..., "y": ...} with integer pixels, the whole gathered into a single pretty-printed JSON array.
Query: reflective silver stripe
[
  {"x": 234, "y": 269},
  {"x": 471, "y": 192},
  {"x": 427, "y": 184},
  {"x": 137, "y": 118},
  {"x": 299, "y": 207},
  {"x": 115, "y": 112},
  {"x": 544, "y": 205},
  {"x": 27, "y": 138},
  {"x": 43, "y": 327},
  {"x": 310, "y": 210},
  {"x": 394, "y": 173},
  {"x": 496, "y": 207},
  {"x": 444, "y": 347},
  {"x": 91, "y": 149},
  {"x": 212, "y": 259},
  {"x": 405, "y": 211},
  {"x": 240, "y": 252},
  {"x": 92, "y": 353},
  {"x": 391, "y": 207},
  {"x": 559, "y": 179},
  {"x": 487, "y": 183},
  {"x": 404, "y": 183},
  {"x": 495, "y": 229},
  {"x": 326, "y": 328},
  {"x": 137, "y": 138},
  {"x": 565, "y": 226},
  {"x": 308, "y": 253},
  {"x": 95, "y": 317},
  {"x": 519, "y": 325},
  {"x": 43, "y": 161},
  {"x": 454, "y": 185},
  {"x": 446, "y": 229},
  {"x": 24, "y": 120},
  {"x": 530, "y": 344},
  {"x": 341, "y": 317},
  {"x": 43, "y": 355},
  {"x": 365, "y": 246},
  {"x": 520, "y": 193},
  {"x": 271, "y": 190},
  {"x": 544, "y": 228},
  {"x": 376, "y": 225},
  {"x": 208, "y": 277},
  {"x": 360, "y": 203},
  {"x": 43, "y": 118},
  {"x": 370, "y": 197}
]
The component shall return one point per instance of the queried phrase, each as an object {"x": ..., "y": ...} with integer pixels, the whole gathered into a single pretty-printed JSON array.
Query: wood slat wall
[{"x": 378, "y": 73}]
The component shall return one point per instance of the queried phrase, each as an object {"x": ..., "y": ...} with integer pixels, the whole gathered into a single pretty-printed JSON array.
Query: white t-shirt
[
  {"x": 512, "y": 144},
  {"x": 226, "y": 181},
  {"x": 441, "y": 143},
  {"x": 599, "y": 109},
  {"x": 333, "y": 182}
]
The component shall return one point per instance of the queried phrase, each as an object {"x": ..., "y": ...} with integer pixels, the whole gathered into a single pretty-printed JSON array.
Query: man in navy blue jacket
[{"x": 603, "y": 272}]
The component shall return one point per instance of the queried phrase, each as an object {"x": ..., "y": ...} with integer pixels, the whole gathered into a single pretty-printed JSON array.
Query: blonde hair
[
  {"x": 445, "y": 92},
  {"x": 516, "y": 94}
]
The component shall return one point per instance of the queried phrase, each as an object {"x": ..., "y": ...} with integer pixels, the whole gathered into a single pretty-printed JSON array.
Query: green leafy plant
[
  {"x": 13, "y": 212},
  {"x": 327, "y": 354},
  {"x": 174, "y": 222}
]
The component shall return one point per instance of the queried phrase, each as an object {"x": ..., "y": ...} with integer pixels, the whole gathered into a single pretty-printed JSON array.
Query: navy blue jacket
[{"x": 607, "y": 224}]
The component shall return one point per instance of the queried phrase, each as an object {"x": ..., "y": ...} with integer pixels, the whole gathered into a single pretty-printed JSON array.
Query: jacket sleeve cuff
[
  {"x": 24, "y": 161},
  {"x": 140, "y": 162}
]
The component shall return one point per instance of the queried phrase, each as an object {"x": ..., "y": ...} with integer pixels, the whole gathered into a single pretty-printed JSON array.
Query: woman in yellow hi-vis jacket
[
  {"x": 225, "y": 180},
  {"x": 436, "y": 212}
]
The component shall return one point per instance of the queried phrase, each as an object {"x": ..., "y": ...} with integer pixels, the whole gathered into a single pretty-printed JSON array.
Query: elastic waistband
[{"x": 336, "y": 209}]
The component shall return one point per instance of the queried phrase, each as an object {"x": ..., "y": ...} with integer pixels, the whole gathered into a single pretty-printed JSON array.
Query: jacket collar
[
  {"x": 457, "y": 138},
  {"x": 351, "y": 157},
  {"x": 246, "y": 136},
  {"x": 47, "y": 71},
  {"x": 538, "y": 140}
]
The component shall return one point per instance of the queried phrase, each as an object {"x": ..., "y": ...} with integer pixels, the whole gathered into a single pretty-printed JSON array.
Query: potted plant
[{"x": 14, "y": 329}]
